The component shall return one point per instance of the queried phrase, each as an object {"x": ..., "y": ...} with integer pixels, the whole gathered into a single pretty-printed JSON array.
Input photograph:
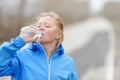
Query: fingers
[
  {"x": 29, "y": 34},
  {"x": 37, "y": 38}
]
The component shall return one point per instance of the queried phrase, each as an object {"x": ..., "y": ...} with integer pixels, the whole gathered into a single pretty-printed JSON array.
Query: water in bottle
[{"x": 30, "y": 32}]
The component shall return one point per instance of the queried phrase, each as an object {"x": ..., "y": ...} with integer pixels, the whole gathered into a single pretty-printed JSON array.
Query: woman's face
[{"x": 50, "y": 31}]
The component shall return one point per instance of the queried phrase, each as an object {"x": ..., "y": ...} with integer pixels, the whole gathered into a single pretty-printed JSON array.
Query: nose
[{"x": 41, "y": 27}]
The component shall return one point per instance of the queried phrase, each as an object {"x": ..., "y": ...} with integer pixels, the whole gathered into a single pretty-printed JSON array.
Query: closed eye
[{"x": 47, "y": 26}]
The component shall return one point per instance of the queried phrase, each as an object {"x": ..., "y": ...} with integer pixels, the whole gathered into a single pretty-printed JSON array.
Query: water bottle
[{"x": 30, "y": 32}]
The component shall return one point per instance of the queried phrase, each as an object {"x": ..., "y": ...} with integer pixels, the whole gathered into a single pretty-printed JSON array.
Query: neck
[{"x": 49, "y": 48}]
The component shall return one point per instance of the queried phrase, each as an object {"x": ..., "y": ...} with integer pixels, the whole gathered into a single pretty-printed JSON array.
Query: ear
[{"x": 58, "y": 34}]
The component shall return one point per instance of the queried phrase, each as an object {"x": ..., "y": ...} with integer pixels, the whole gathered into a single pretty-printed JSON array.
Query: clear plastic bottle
[{"x": 30, "y": 32}]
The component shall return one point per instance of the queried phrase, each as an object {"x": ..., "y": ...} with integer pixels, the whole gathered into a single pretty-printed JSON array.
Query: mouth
[{"x": 41, "y": 35}]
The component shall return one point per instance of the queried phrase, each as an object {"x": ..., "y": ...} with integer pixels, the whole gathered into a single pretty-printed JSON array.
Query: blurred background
[{"x": 92, "y": 32}]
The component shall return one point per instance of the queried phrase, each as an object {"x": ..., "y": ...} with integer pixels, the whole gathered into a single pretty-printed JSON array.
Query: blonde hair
[{"x": 59, "y": 22}]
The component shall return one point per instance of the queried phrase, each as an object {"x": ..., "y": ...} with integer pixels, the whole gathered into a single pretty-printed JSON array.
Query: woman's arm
[
  {"x": 74, "y": 73},
  {"x": 8, "y": 51}
]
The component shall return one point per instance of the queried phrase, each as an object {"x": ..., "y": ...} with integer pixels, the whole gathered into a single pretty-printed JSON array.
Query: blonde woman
[{"x": 41, "y": 60}]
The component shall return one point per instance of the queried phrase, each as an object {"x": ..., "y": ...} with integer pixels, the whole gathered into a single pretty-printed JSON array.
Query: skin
[{"x": 51, "y": 34}]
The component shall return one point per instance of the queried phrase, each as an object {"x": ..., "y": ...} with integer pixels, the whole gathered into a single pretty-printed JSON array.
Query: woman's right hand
[{"x": 31, "y": 34}]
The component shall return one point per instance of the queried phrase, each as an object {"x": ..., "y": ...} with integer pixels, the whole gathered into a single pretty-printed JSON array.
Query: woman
[{"x": 44, "y": 60}]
